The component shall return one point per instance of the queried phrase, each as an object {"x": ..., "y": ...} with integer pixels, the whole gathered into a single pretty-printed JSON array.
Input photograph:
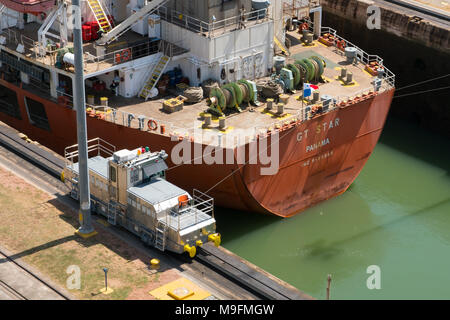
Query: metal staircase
[
  {"x": 112, "y": 213},
  {"x": 100, "y": 15},
  {"x": 155, "y": 75},
  {"x": 160, "y": 236},
  {"x": 123, "y": 27}
]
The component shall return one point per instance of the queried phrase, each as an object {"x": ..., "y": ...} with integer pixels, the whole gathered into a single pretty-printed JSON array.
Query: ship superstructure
[{"x": 137, "y": 54}]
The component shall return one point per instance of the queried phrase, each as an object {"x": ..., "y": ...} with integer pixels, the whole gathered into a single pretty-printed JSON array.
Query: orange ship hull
[{"x": 319, "y": 158}]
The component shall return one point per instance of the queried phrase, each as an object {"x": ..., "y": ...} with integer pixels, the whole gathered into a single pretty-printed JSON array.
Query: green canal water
[{"x": 396, "y": 215}]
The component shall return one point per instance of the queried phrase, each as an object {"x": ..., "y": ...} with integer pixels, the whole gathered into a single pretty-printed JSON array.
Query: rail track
[
  {"x": 11, "y": 292},
  {"x": 15, "y": 294},
  {"x": 212, "y": 258}
]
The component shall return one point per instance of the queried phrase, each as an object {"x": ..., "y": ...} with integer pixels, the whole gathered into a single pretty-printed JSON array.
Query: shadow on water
[
  {"x": 234, "y": 224},
  {"x": 417, "y": 142}
]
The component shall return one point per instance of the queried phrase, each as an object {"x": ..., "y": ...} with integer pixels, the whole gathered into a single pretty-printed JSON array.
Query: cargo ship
[{"x": 255, "y": 102}]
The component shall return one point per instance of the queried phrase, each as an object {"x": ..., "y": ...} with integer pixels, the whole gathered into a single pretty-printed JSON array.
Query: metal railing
[
  {"x": 200, "y": 209},
  {"x": 134, "y": 52},
  {"x": 97, "y": 146},
  {"x": 117, "y": 57},
  {"x": 213, "y": 28}
]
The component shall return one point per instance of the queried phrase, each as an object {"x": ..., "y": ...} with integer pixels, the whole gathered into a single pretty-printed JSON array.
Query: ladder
[
  {"x": 112, "y": 213},
  {"x": 154, "y": 76},
  {"x": 123, "y": 27},
  {"x": 160, "y": 237},
  {"x": 100, "y": 15},
  {"x": 281, "y": 46}
]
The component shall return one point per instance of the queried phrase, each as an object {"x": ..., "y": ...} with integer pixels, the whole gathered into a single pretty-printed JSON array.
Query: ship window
[
  {"x": 37, "y": 114},
  {"x": 8, "y": 102},
  {"x": 112, "y": 174}
]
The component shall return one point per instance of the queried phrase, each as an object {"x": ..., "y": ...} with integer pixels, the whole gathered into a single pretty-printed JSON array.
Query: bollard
[
  {"x": 91, "y": 100},
  {"x": 328, "y": 286},
  {"x": 154, "y": 263},
  {"x": 343, "y": 73},
  {"x": 207, "y": 121},
  {"x": 269, "y": 104},
  {"x": 349, "y": 77},
  {"x": 104, "y": 101},
  {"x": 309, "y": 38},
  {"x": 280, "y": 108},
  {"x": 141, "y": 120},
  {"x": 316, "y": 96},
  {"x": 284, "y": 98},
  {"x": 305, "y": 33},
  {"x": 222, "y": 125}
]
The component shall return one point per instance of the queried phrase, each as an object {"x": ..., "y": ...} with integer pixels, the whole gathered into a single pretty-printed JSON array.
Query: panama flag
[{"x": 308, "y": 89}]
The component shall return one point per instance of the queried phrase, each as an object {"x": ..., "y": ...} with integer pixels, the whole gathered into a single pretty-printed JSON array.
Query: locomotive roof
[{"x": 157, "y": 190}]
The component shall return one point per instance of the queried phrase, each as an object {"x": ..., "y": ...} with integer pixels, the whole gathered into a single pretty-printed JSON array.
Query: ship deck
[
  {"x": 188, "y": 120},
  {"x": 92, "y": 63}
]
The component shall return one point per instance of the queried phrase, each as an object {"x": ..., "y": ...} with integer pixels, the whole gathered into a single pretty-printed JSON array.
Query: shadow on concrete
[{"x": 118, "y": 240}]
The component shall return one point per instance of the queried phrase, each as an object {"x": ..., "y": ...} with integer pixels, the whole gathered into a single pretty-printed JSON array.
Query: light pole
[
  {"x": 86, "y": 229},
  {"x": 105, "y": 270}
]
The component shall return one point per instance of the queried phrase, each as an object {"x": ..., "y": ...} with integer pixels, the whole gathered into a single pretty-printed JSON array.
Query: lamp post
[
  {"x": 86, "y": 229},
  {"x": 105, "y": 270}
]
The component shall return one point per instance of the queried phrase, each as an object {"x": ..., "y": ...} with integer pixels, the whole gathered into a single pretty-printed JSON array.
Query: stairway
[
  {"x": 121, "y": 28},
  {"x": 100, "y": 15},
  {"x": 112, "y": 210},
  {"x": 281, "y": 46},
  {"x": 160, "y": 239},
  {"x": 154, "y": 76}
]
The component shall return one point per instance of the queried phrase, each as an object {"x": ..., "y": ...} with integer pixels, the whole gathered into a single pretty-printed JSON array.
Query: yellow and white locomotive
[{"x": 129, "y": 188}]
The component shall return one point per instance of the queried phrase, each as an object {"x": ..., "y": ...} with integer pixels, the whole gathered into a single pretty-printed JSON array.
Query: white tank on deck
[
  {"x": 69, "y": 58},
  {"x": 154, "y": 26}
]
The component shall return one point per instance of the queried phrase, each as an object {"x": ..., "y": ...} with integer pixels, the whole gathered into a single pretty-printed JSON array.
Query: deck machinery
[{"x": 130, "y": 189}]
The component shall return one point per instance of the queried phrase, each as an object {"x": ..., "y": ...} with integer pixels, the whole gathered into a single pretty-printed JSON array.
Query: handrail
[
  {"x": 137, "y": 51},
  {"x": 197, "y": 25}
]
